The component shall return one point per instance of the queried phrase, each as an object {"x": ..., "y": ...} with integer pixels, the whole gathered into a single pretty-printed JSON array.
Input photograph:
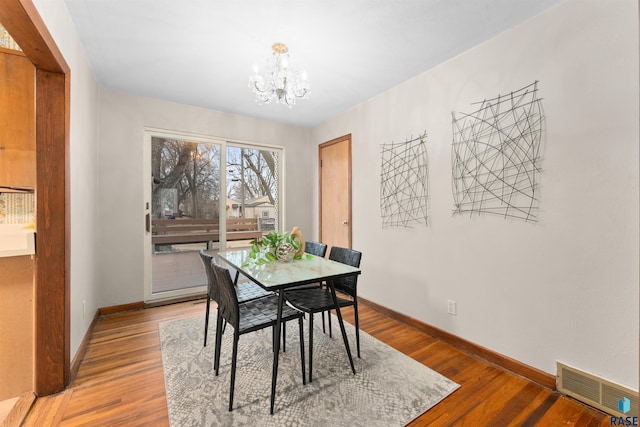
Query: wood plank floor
[{"x": 120, "y": 381}]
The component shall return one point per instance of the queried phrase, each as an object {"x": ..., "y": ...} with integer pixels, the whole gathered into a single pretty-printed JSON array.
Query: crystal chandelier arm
[{"x": 257, "y": 84}]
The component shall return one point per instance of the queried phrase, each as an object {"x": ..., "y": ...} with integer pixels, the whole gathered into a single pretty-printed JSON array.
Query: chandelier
[{"x": 280, "y": 83}]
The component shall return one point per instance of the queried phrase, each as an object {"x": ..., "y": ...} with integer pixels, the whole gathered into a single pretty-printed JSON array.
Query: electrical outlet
[{"x": 451, "y": 307}]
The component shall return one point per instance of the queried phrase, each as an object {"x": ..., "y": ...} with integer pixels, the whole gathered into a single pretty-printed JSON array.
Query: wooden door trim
[
  {"x": 23, "y": 22},
  {"x": 52, "y": 267},
  {"x": 347, "y": 138}
]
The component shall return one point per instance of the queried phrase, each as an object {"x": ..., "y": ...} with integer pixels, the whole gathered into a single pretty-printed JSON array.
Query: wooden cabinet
[
  {"x": 16, "y": 326},
  {"x": 17, "y": 120}
]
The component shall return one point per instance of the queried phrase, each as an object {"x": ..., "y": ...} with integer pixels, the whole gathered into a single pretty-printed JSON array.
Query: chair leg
[
  {"x": 273, "y": 337},
  {"x": 234, "y": 359},
  {"x": 300, "y": 325},
  {"x": 310, "y": 347},
  {"x": 284, "y": 337},
  {"x": 357, "y": 322},
  {"x": 324, "y": 331},
  {"x": 216, "y": 357},
  {"x": 206, "y": 320},
  {"x": 329, "y": 317}
]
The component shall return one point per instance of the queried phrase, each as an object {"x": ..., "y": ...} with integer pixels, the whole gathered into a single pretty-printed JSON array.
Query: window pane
[{"x": 253, "y": 187}]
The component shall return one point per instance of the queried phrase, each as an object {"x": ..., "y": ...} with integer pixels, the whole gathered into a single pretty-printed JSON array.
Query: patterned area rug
[{"x": 389, "y": 388}]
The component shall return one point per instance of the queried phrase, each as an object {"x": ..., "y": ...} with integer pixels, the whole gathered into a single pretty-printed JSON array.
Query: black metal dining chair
[
  {"x": 319, "y": 299},
  {"x": 246, "y": 291},
  {"x": 315, "y": 248},
  {"x": 247, "y": 317}
]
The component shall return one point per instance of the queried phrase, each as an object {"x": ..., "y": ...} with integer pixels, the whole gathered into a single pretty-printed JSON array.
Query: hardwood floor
[{"x": 120, "y": 380}]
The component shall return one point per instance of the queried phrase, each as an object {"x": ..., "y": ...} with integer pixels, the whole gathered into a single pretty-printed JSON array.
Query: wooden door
[{"x": 335, "y": 192}]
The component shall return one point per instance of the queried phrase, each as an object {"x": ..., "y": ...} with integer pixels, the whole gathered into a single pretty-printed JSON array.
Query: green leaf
[
  {"x": 309, "y": 256},
  {"x": 270, "y": 256}
]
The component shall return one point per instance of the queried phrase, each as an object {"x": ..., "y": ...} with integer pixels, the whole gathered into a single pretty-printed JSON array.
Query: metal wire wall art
[
  {"x": 404, "y": 184},
  {"x": 495, "y": 156}
]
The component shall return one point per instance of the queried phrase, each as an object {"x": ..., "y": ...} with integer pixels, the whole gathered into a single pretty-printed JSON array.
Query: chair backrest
[
  {"x": 315, "y": 248},
  {"x": 350, "y": 257},
  {"x": 228, "y": 298},
  {"x": 212, "y": 281}
]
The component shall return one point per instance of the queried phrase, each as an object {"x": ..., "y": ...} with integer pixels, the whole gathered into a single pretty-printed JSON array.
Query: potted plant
[{"x": 276, "y": 246}]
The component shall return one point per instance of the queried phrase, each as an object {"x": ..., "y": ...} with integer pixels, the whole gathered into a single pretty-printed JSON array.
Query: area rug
[{"x": 388, "y": 389}]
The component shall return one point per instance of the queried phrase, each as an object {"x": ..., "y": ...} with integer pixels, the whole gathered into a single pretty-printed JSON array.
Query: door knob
[{"x": 345, "y": 222}]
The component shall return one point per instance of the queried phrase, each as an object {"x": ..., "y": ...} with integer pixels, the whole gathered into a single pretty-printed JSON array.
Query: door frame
[
  {"x": 52, "y": 361},
  {"x": 347, "y": 138}
]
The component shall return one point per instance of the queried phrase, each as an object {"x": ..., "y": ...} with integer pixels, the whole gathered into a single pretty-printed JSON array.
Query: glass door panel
[
  {"x": 253, "y": 193},
  {"x": 185, "y": 206}
]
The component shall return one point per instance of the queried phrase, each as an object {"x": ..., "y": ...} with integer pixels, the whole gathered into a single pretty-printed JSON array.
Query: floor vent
[{"x": 597, "y": 392}]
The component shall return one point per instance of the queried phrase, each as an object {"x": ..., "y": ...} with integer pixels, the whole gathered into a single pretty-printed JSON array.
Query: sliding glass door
[
  {"x": 203, "y": 194},
  {"x": 185, "y": 198}
]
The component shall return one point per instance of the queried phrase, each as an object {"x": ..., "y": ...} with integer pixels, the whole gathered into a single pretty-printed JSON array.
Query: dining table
[{"x": 278, "y": 276}]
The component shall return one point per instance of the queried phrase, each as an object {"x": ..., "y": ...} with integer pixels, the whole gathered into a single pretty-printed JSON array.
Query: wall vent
[{"x": 597, "y": 392}]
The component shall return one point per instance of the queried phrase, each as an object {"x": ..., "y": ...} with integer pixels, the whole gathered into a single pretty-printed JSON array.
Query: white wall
[
  {"x": 123, "y": 118},
  {"x": 564, "y": 289},
  {"x": 83, "y": 145}
]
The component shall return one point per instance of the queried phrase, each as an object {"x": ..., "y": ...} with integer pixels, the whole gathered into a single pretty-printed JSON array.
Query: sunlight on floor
[{"x": 5, "y": 408}]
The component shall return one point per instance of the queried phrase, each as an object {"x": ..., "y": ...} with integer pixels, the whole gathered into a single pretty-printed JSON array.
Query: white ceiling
[{"x": 201, "y": 52}]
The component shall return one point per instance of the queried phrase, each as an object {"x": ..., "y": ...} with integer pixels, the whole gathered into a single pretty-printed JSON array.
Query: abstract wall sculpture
[
  {"x": 495, "y": 156},
  {"x": 404, "y": 183}
]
